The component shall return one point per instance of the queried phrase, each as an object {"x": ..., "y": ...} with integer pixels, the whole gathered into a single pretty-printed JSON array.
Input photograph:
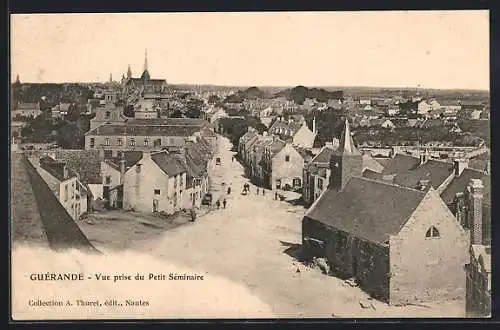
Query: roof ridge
[{"x": 387, "y": 183}]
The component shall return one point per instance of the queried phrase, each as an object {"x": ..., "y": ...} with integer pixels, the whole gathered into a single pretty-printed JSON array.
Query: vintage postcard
[{"x": 250, "y": 165}]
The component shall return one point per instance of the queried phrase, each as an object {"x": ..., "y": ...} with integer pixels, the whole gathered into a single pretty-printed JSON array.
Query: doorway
[{"x": 155, "y": 205}]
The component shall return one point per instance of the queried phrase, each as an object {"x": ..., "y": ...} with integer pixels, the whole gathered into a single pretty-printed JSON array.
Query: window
[
  {"x": 106, "y": 142},
  {"x": 92, "y": 142},
  {"x": 65, "y": 193},
  {"x": 287, "y": 158},
  {"x": 157, "y": 191},
  {"x": 432, "y": 233},
  {"x": 175, "y": 182},
  {"x": 132, "y": 142},
  {"x": 181, "y": 180},
  {"x": 107, "y": 115},
  {"x": 297, "y": 182},
  {"x": 120, "y": 142},
  {"x": 146, "y": 143},
  {"x": 320, "y": 183},
  {"x": 72, "y": 190},
  {"x": 108, "y": 179},
  {"x": 157, "y": 143}
]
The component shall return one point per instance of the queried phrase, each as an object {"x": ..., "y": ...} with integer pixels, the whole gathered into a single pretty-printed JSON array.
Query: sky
[{"x": 427, "y": 49}]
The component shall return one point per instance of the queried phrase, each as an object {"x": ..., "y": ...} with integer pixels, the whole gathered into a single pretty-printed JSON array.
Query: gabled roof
[
  {"x": 170, "y": 164},
  {"x": 276, "y": 146},
  {"x": 372, "y": 164},
  {"x": 367, "y": 209},
  {"x": 324, "y": 156},
  {"x": 131, "y": 158},
  {"x": 399, "y": 163},
  {"x": 460, "y": 183},
  {"x": 56, "y": 168},
  {"x": 434, "y": 171},
  {"x": 87, "y": 163}
]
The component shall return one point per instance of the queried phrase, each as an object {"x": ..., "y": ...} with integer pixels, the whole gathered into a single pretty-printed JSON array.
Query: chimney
[
  {"x": 475, "y": 215},
  {"x": 424, "y": 157},
  {"x": 122, "y": 167},
  {"x": 423, "y": 184},
  {"x": 460, "y": 165}
]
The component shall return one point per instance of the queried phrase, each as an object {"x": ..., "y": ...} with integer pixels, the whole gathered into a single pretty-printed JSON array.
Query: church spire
[
  {"x": 146, "y": 60},
  {"x": 347, "y": 146},
  {"x": 17, "y": 80},
  {"x": 129, "y": 72},
  {"x": 346, "y": 161},
  {"x": 110, "y": 78}
]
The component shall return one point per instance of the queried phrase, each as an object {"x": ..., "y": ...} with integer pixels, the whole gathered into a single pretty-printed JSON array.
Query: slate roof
[
  {"x": 371, "y": 164},
  {"x": 284, "y": 125},
  {"x": 434, "y": 171},
  {"x": 399, "y": 163},
  {"x": 170, "y": 164},
  {"x": 323, "y": 157},
  {"x": 56, "y": 168},
  {"x": 366, "y": 208},
  {"x": 167, "y": 122},
  {"x": 131, "y": 158},
  {"x": 459, "y": 184},
  {"x": 87, "y": 163},
  {"x": 276, "y": 146},
  {"x": 140, "y": 130}
]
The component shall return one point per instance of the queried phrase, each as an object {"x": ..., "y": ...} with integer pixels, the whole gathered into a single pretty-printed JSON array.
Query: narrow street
[{"x": 247, "y": 242}]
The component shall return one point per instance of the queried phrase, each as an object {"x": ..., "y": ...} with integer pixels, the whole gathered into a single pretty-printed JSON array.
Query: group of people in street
[{"x": 224, "y": 203}]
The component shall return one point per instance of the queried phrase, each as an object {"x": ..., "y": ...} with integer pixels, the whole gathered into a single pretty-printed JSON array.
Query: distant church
[{"x": 144, "y": 84}]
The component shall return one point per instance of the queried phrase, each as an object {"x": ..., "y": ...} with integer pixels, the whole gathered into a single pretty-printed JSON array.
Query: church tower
[
  {"x": 129, "y": 72},
  {"x": 17, "y": 82},
  {"x": 346, "y": 161},
  {"x": 145, "y": 74}
]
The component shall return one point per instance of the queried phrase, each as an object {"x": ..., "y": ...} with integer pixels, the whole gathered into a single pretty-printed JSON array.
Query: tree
[{"x": 213, "y": 99}]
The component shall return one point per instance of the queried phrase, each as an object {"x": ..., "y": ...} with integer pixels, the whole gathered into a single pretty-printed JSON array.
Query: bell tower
[{"x": 346, "y": 161}]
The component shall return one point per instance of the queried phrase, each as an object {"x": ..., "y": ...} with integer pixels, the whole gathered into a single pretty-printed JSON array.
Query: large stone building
[
  {"x": 144, "y": 134},
  {"x": 400, "y": 244}
]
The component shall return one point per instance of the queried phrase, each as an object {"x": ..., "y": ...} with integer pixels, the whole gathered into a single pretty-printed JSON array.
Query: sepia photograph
[{"x": 250, "y": 165}]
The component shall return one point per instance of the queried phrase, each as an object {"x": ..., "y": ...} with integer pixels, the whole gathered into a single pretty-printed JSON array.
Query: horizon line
[{"x": 277, "y": 86}]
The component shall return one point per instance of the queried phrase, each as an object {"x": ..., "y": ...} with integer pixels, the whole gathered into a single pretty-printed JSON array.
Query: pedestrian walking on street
[
  {"x": 263, "y": 191},
  {"x": 228, "y": 190},
  {"x": 193, "y": 215},
  {"x": 257, "y": 190},
  {"x": 218, "y": 204},
  {"x": 232, "y": 159},
  {"x": 276, "y": 195},
  {"x": 224, "y": 203}
]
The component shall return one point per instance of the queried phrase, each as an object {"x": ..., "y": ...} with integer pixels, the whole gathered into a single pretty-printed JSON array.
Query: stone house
[
  {"x": 401, "y": 245},
  {"x": 64, "y": 183},
  {"x": 282, "y": 166},
  {"x": 156, "y": 183},
  {"x": 295, "y": 130}
]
